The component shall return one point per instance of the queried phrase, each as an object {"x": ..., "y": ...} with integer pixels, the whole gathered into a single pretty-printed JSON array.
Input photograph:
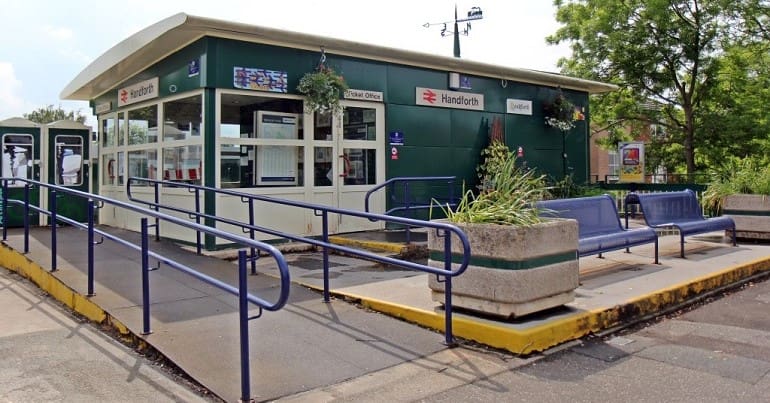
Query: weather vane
[{"x": 473, "y": 14}]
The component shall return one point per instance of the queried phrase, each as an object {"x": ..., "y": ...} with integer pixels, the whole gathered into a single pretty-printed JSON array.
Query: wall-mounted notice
[{"x": 276, "y": 164}]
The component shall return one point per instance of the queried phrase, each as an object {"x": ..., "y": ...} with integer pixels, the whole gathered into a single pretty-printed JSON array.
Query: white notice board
[{"x": 276, "y": 164}]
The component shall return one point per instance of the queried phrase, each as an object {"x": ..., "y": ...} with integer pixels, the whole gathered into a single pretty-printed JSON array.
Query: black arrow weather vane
[{"x": 474, "y": 14}]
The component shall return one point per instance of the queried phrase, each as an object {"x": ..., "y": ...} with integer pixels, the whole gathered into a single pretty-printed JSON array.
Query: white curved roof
[{"x": 165, "y": 37}]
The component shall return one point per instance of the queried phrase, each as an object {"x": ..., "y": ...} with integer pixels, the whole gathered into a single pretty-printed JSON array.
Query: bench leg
[
  {"x": 735, "y": 242},
  {"x": 681, "y": 244},
  {"x": 656, "y": 251},
  {"x": 600, "y": 256}
]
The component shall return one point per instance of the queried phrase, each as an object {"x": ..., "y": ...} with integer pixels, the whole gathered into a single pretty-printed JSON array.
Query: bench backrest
[
  {"x": 595, "y": 215},
  {"x": 666, "y": 207}
]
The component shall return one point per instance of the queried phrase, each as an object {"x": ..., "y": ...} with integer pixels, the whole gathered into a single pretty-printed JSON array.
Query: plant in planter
[
  {"x": 323, "y": 89},
  {"x": 740, "y": 190},
  {"x": 560, "y": 113},
  {"x": 520, "y": 262}
]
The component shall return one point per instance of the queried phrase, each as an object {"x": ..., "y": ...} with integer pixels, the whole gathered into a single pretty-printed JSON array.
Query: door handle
[{"x": 345, "y": 166}]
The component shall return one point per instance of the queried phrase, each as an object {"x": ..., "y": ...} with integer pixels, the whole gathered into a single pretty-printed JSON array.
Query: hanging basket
[
  {"x": 560, "y": 113},
  {"x": 323, "y": 89}
]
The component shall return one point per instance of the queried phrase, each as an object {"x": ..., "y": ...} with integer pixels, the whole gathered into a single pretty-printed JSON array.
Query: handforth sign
[
  {"x": 141, "y": 91},
  {"x": 449, "y": 99}
]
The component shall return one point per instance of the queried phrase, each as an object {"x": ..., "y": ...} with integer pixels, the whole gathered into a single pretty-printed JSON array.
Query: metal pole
[
  {"x": 243, "y": 314},
  {"x": 449, "y": 338},
  {"x": 457, "y": 36},
  {"x": 53, "y": 229},
  {"x": 252, "y": 234},
  {"x": 145, "y": 279},
  {"x": 90, "y": 248},
  {"x": 157, "y": 208},
  {"x": 26, "y": 218},
  {"x": 325, "y": 220},
  {"x": 198, "y": 220},
  {"x": 5, "y": 210}
]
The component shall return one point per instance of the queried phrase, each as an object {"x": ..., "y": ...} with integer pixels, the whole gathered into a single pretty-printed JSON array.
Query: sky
[{"x": 46, "y": 43}]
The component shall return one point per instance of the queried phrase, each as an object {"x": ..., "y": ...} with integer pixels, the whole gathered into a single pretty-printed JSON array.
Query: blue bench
[
  {"x": 599, "y": 228},
  {"x": 682, "y": 211}
]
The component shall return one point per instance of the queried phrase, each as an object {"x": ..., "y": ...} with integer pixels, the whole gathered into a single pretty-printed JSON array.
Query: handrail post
[
  {"x": 54, "y": 219},
  {"x": 197, "y": 220},
  {"x": 157, "y": 208},
  {"x": 145, "y": 279},
  {"x": 90, "y": 248},
  {"x": 26, "y": 218},
  {"x": 252, "y": 234},
  {"x": 448, "y": 337},
  {"x": 5, "y": 210},
  {"x": 408, "y": 205},
  {"x": 243, "y": 321},
  {"x": 325, "y": 229}
]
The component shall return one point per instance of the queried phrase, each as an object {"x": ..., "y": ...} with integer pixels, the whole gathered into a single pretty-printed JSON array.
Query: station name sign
[
  {"x": 138, "y": 92},
  {"x": 518, "y": 106},
  {"x": 363, "y": 95},
  {"x": 449, "y": 99}
]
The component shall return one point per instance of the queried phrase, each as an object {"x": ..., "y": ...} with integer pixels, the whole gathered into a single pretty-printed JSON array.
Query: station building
[{"x": 215, "y": 103}]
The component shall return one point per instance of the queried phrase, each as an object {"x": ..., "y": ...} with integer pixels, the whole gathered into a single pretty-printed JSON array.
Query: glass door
[{"x": 360, "y": 162}]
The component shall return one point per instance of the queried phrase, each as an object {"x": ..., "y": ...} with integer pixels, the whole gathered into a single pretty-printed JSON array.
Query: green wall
[{"x": 437, "y": 141}]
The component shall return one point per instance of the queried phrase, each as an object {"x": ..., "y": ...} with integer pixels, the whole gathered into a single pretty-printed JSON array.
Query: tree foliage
[
  {"x": 685, "y": 66},
  {"x": 50, "y": 114}
]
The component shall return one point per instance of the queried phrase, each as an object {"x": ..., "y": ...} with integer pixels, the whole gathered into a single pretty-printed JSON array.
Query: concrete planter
[
  {"x": 514, "y": 271},
  {"x": 751, "y": 214}
]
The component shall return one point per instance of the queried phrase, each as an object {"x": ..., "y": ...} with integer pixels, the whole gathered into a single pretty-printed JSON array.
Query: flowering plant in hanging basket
[
  {"x": 323, "y": 89},
  {"x": 560, "y": 113}
]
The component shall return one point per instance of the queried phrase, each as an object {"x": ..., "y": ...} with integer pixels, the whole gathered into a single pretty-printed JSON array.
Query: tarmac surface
[{"x": 316, "y": 351}]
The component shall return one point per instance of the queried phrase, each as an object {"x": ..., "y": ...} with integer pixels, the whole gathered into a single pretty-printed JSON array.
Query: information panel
[{"x": 276, "y": 164}]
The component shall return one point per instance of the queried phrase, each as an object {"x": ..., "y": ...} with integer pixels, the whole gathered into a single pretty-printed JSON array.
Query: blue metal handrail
[
  {"x": 444, "y": 230},
  {"x": 241, "y": 291},
  {"x": 406, "y": 205}
]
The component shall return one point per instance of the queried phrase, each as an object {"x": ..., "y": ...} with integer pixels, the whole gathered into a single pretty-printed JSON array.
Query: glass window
[
  {"x": 252, "y": 165},
  {"x": 359, "y": 123},
  {"x": 143, "y": 164},
  {"x": 322, "y": 166},
  {"x": 238, "y": 113},
  {"x": 279, "y": 166},
  {"x": 359, "y": 166},
  {"x": 121, "y": 168},
  {"x": 234, "y": 163},
  {"x": 18, "y": 154},
  {"x": 108, "y": 132},
  {"x": 109, "y": 170},
  {"x": 182, "y": 164},
  {"x": 143, "y": 125},
  {"x": 182, "y": 119},
  {"x": 120, "y": 132},
  {"x": 69, "y": 160}
]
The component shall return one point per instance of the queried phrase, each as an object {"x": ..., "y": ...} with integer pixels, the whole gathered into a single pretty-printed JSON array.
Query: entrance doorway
[{"x": 348, "y": 161}]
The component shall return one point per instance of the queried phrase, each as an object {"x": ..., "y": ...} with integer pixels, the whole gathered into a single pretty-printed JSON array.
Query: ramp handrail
[
  {"x": 241, "y": 291},
  {"x": 406, "y": 205},
  {"x": 444, "y": 230}
]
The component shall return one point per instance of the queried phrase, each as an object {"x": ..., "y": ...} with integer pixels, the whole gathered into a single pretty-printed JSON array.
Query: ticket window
[
  {"x": 69, "y": 160},
  {"x": 18, "y": 155}
]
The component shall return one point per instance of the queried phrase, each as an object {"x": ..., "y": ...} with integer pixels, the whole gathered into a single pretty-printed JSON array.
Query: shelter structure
[{"x": 215, "y": 103}]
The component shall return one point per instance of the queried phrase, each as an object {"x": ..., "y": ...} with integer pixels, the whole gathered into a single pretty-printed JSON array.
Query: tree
[
  {"x": 665, "y": 55},
  {"x": 50, "y": 114}
]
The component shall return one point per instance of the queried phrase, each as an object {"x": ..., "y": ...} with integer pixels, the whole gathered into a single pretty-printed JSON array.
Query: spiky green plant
[
  {"x": 747, "y": 176},
  {"x": 506, "y": 195}
]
